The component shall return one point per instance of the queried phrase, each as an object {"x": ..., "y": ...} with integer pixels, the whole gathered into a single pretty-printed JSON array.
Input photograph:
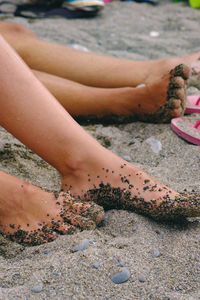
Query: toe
[
  {"x": 176, "y": 82},
  {"x": 95, "y": 212},
  {"x": 176, "y": 103},
  {"x": 177, "y": 93},
  {"x": 88, "y": 209},
  {"x": 65, "y": 229},
  {"x": 178, "y": 112},
  {"x": 79, "y": 221},
  {"x": 182, "y": 71}
]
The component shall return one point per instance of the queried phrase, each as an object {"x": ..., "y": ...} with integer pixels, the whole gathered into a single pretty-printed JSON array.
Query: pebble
[
  {"x": 134, "y": 228},
  {"x": 156, "y": 253},
  {"x": 154, "y": 33},
  {"x": 156, "y": 145},
  {"x": 95, "y": 265},
  {"x": 142, "y": 278},
  {"x": 46, "y": 251},
  {"x": 37, "y": 288},
  {"x": 160, "y": 235},
  {"x": 82, "y": 246},
  {"x": 92, "y": 242},
  {"x": 120, "y": 277},
  {"x": 126, "y": 157},
  {"x": 121, "y": 264}
]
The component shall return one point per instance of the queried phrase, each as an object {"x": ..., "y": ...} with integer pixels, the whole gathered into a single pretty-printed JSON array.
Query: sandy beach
[{"x": 162, "y": 261}]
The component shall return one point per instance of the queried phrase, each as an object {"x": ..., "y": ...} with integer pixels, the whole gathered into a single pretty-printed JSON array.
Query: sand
[{"x": 163, "y": 260}]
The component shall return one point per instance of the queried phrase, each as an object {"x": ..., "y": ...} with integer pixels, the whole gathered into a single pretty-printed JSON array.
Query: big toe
[
  {"x": 88, "y": 210},
  {"x": 95, "y": 212},
  {"x": 182, "y": 71}
]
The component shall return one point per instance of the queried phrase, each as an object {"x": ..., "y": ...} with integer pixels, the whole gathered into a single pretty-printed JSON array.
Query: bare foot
[
  {"x": 30, "y": 215},
  {"x": 160, "y": 101},
  {"x": 157, "y": 102},
  {"x": 158, "y": 68},
  {"x": 113, "y": 183}
]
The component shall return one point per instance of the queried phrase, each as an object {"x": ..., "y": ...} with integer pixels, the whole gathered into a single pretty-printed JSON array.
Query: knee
[{"x": 15, "y": 29}]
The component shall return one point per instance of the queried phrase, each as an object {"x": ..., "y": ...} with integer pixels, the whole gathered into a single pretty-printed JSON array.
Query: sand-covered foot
[
  {"x": 162, "y": 207},
  {"x": 158, "y": 68},
  {"x": 157, "y": 102},
  {"x": 113, "y": 183},
  {"x": 30, "y": 215}
]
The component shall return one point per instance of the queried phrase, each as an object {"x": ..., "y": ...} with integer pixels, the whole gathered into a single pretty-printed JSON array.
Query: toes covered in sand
[
  {"x": 63, "y": 214},
  {"x": 176, "y": 95}
]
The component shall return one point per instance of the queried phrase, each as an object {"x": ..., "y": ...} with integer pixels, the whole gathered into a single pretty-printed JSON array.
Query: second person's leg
[
  {"x": 157, "y": 102},
  {"x": 87, "y": 68}
]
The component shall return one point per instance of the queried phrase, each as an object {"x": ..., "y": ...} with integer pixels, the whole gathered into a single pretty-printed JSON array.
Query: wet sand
[{"x": 163, "y": 260}]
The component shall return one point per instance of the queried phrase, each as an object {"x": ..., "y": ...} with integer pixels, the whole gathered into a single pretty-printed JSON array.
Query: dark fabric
[{"x": 49, "y": 8}]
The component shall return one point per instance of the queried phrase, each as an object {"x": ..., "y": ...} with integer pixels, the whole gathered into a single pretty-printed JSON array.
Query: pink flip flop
[
  {"x": 193, "y": 104},
  {"x": 185, "y": 129}
]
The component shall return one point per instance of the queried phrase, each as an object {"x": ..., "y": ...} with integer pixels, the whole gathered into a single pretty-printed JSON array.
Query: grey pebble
[
  {"x": 126, "y": 157},
  {"x": 134, "y": 228},
  {"x": 92, "y": 242},
  {"x": 120, "y": 277},
  {"x": 142, "y": 278},
  {"x": 156, "y": 253},
  {"x": 159, "y": 234},
  {"x": 95, "y": 265},
  {"x": 46, "y": 251},
  {"x": 37, "y": 288},
  {"x": 121, "y": 264},
  {"x": 82, "y": 246}
]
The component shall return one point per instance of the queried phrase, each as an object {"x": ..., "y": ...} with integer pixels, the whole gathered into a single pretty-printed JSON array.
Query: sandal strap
[
  {"x": 198, "y": 101},
  {"x": 197, "y": 124}
]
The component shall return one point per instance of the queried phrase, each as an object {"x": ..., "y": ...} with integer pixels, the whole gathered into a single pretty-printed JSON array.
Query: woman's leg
[
  {"x": 87, "y": 68},
  {"x": 148, "y": 103},
  {"x": 88, "y": 170},
  {"x": 157, "y": 102},
  {"x": 26, "y": 212}
]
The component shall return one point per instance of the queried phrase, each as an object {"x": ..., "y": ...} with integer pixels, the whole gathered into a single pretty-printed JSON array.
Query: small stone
[
  {"x": 156, "y": 145},
  {"x": 142, "y": 278},
  {"x": 156, "y": 253},
  {"x": 95, "y": 265},
  {"x": 46, "y": 251},
  {"x": 121, "y": 264},
  {"x": 37, "y": 288},
  {"x": 126, "y": 157},
  {"x": 134, "y": 228},
  {"x": 160, "y": 235},
  {"x": 82, "y": 246},
  {"x": 154, "y": 33},
  {"x": 120, "y": 277},
  {"x": 92, "y": 242}
]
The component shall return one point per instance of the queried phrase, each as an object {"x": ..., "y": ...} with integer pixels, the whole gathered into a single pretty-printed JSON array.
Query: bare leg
[
  {"x": 88, "y": 170},
  {"x": 87, "y": 68},
  {"x": 149, "y": 103},
  {"x": 157, "y": 102},
  {"x": 26, "y": 207}
]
